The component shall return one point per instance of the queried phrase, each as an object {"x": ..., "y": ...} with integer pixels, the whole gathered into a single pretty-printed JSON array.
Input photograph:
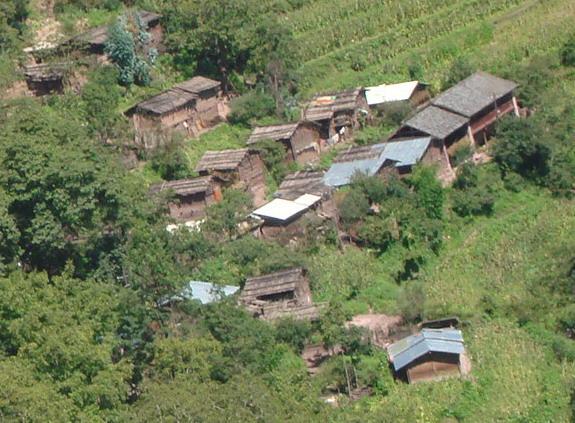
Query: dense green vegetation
[{"x": 86, "y": 262}]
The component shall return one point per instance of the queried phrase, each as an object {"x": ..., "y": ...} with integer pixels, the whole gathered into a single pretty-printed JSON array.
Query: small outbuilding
[
  {"x": 239, "y": 169},
  {"x": 432, "y": 354},
  {"x": 412, "y": 93},
  {"x": 191, "y": 107},
  {"x": 301, "y": 140},
  {"x": 406, "y": 153},
  {"x": 45, "y": 78},
  {"x": 337, "y": 113},
  {"x": 280, "y": 294},
  {"x": 188, "y": 198}
]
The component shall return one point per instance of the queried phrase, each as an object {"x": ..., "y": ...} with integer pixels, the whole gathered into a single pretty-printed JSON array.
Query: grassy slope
[
  {"x": 528, "y": 243},
  {"x": 493, "y": 41}
]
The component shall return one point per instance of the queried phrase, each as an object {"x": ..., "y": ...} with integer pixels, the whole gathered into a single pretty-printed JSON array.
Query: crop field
[{"x": 349, "y": 43}]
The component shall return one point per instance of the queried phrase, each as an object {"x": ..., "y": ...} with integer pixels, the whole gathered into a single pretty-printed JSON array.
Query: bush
[
  {"x": 428, "y": 191},
  {"x": 568, "y": 52},
  {"x": 354, "y": 207},
  {"x": 473, "y": 202},
  {"x": 273, "y": 154},
  {"x": 171, "y": 162},
  {"x": 251, "y": 106},
  {"x": 519, "y": 149}
]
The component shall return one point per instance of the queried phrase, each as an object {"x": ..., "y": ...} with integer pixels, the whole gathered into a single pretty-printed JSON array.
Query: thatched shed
[{"x": 239, "y": 169}]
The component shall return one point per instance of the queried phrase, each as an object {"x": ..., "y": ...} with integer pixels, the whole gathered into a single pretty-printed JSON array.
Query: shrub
[
  {"x": 519, "y": 149},
  {"x": 251, "y": 106},
  {"x": 273, "y": 154},
  {"x": 171, "y": 162},
  {"x": 473, "y": 202},
  {"x": 429, "y": 192},
  {"x": 568, "y": 52},
  {"x": 354, "y": 207}
]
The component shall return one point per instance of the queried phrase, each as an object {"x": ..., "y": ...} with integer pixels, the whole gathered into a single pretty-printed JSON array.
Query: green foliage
[
  {"x": 472, "y": 197},
  {"x": 127, "y": 49},
  {"x": 294, "y": 333},
  {"x": 100, "y": 97},
  {"x": 171, "y": 161},
  {"x": 428, "y": 190},
  {"x": 568, "y": 52},
  {"x": 251, "y": 106},
  {"x": 354, "y": 207},
  {"x": 520, "y": 149},
  {"x": 223, "y": 217},
  {"x": 13, "y": 15},
  {"x": 273, "y": 154}
]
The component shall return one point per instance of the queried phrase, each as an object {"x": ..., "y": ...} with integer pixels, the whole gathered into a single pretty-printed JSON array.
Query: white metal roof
[
  {"x": 388, "y": 93},
  {"x": 307, "y": 200},
  {"x": 280, "y": 209}
]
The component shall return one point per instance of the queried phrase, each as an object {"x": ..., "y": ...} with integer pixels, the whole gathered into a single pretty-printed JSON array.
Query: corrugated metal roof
[
  {"x": 280, "y": 210},
  {"x": 409, "y": 349},
  {"x": 406, "y": 152},
  {"x": 388, "y": 93},
  {"x": 474, "y": 94},
  {"x": 367, "y": 160},
  {"x": 207, "y": 292},
  {"x": 436, "y": 122}
]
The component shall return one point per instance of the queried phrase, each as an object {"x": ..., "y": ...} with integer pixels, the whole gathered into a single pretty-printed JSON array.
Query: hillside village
[{"x": 194, "y": 228}]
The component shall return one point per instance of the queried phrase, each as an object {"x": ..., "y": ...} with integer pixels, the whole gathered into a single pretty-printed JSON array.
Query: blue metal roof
[
  {"x": 206, "y": 292},
  {"x": 340, "y": 173},
  {"x": 411, "y": 348},
  {"x": 406, "y": 152}
]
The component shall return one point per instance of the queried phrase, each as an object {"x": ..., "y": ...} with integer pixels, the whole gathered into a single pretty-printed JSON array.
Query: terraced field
[{"x": 348, "y": 42}]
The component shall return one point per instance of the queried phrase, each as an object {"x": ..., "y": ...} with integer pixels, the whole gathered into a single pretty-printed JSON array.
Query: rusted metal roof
[
  {"x": 221, "y": 160},
  {"x": 273, "y": 132},
  {"x": 437, "y": 122},
  {"x": 407, "y": 350},
  {"x": 323, "y": 107},
  {"x": 184, "y": 187},
  {"x": 297, "y": 184},
  {"x": 474, "y": 94},
  {"x": 274, "y": 283}
]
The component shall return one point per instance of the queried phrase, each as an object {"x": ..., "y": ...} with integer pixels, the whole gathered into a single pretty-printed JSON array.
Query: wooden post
[
  {"x": 515, "y": 106},
  {"x": 471, "y": 137}
]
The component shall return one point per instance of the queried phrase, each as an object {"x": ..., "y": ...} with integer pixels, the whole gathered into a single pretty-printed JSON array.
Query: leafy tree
[
  {"x": 273, "y": 154},
  {"x": 13, "y": 14},
  {"x": 354, "y": 207},
  {"x": 171, "y": 161},
  {"x": 127, "y": 48}
]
